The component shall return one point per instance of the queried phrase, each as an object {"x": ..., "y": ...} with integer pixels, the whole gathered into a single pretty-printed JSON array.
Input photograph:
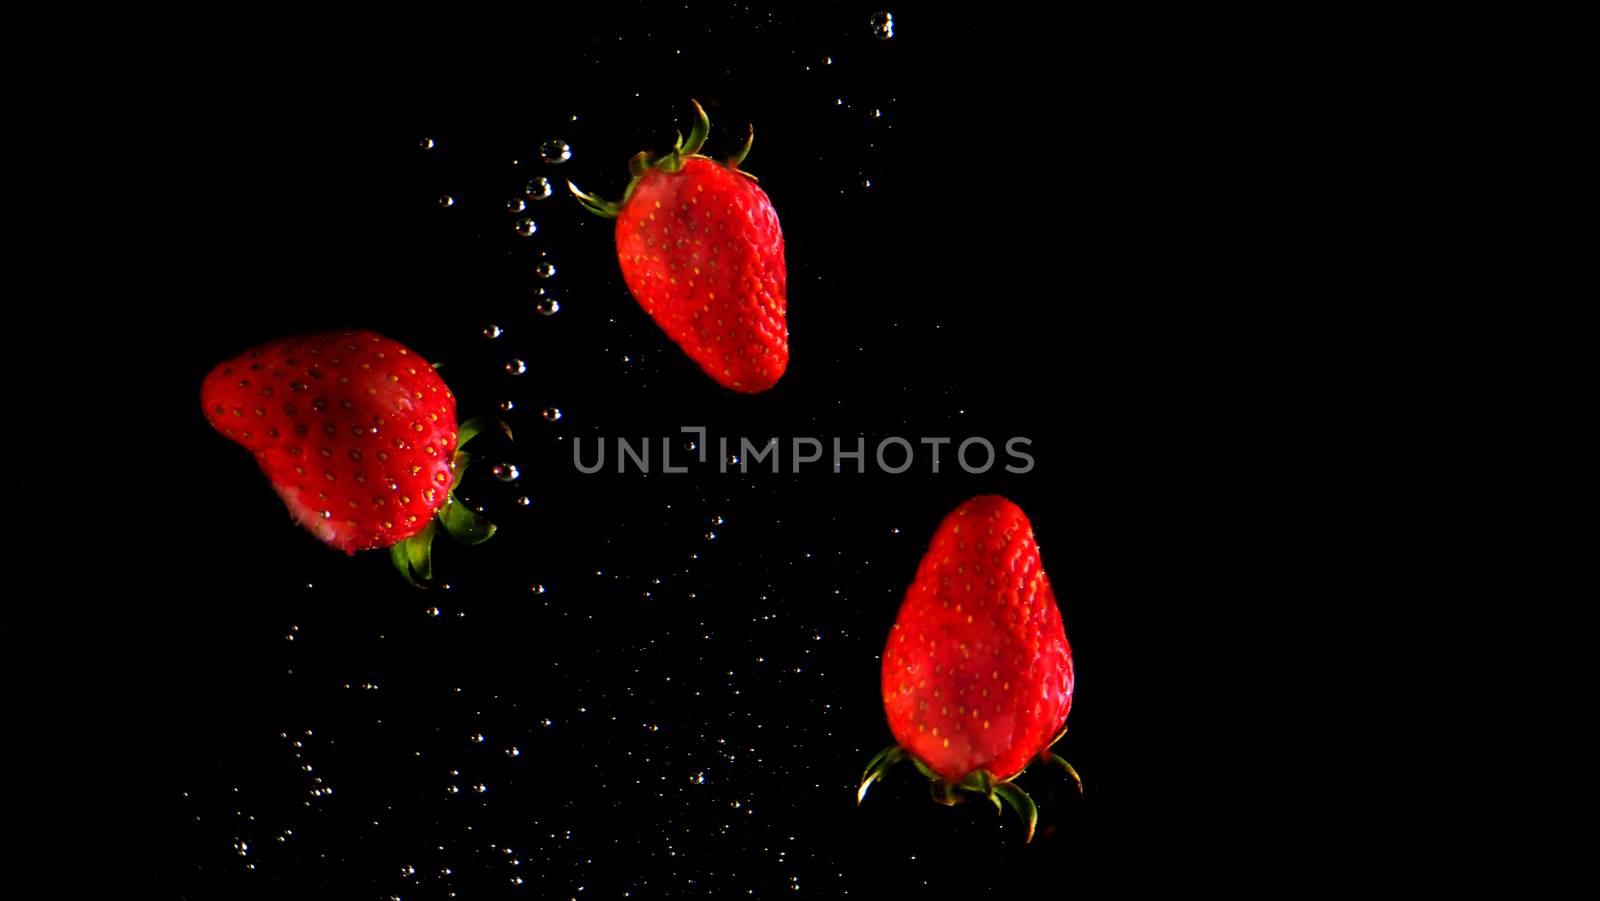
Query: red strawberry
[
  {"x": 977, "y": 674},
  {"x": 702, "y": 252},
  {"x": 357, "y": 434}
]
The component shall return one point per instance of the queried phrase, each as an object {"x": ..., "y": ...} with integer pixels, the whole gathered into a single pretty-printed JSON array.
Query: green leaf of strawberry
[
  {"x": 702, "y": 251},
  {"x": 977, "y": 673}
]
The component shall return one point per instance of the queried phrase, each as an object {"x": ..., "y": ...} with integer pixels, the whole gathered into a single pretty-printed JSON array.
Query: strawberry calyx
[
  {"x": 645, "y": 162},
  {"x": 978, "y": 782},
  {"x": 413, "y": 557}
]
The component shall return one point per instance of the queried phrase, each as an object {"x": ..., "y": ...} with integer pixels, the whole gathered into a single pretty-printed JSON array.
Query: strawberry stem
[
  {"x": 876, "y": 767},
  {"x": 644, "y": 162},
  {"x": 414, "y": 556},
  {"x": 1022, "y": 804},
  {"x": 1050, "y": 758}
]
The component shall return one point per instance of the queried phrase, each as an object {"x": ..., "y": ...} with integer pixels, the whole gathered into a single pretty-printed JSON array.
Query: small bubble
[
  {"x": 882, "y": 25},
  {"x": 480, "y": 788},
  {"x": 513, "y": 752},
  {"x": 492, "y": 331},
  {"x": 432, "y": 611},
  {"x": 698, "y": 779},
  {"x": 547, "y": 306},
  {"x": 538, "y": 589},
  {"x": 546, "y": 722},
  {"x": 874, "y": 114},
  {"x": 516, "y": 367},
  {"x": 866, "y": 183},
  {"x": 544, "y": 269},
  {"x": 515, "y": 205},
  {"x": 447, "y": 201},
  {"x": 539, "y": 189},
  {"x": 555, "y": 151},
  {"x": 452, "y": 790},
  {"x": 408, "y": 871},
  {"x": 426, "y": 143},
  {"x": 526, "y": 227},
  {"x": 551, "y": 414},
  {"x": 523, "y": 501},
  {"x": 505, "y": 472},
  {"x": 711, "y": 536},
  {"x": 716, "y": 520},
  {"x": 477, "y": 738}
]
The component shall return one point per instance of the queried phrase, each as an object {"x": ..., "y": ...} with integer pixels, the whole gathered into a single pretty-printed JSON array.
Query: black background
[{"x": 1078, "y": 232}]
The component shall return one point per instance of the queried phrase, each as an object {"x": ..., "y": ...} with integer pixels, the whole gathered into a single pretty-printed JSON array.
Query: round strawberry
[
  {"x": 977, "y": 673},
  {"x": 356, "y": 432},
  {"x": 701, "y": 250}
]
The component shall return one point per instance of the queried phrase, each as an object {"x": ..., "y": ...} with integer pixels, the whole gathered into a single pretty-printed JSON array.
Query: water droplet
[
  {"x": 492, "y": 331},
  {"x": 716, "y": 520},
  {"x": 505, "y": 472},
  {"x": 544, "y": 269},
  {"x": 546, "y": 722},
  {"x": 523, "y": 502},
  {"x": 711, "y": 536},
  {"x": 447, "y": 201},
  {"x": 526, "y": 227},
  {"x": 882, "y": 26},
  {"x": 538, "y": 589},
  {"x": 426, "y": 143},
  {"x": 538, "y": 189},
  {"x": 866, "y": 183},
  {"x": 508, "y": 405},
  {"x": 547, "y": 306},
  {"x": 698, "y": 779},
  {"x": 515, "y": 205},
  {"x": 451, "y": 789},
  {"x": 477, "y": 738},
  {"x": 513, "y": 752},
  {"x": 480, "y": 788},
  {"x": 432, "y": 611},
  {"x": 551, "y": 414},
  {"x": 875, "y": 114},
  {"x": 691, "y": 445},
  {"x": 555, "y": 151},
  {"x": 516, "y": 367},
  {"x": 408, "y": 871},
  {"x": 326, "y": 514}
]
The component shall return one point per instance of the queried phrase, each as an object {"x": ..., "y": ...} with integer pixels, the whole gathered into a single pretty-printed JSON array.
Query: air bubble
[
  {"x": 515, "y": 205},
  {"x": 551, "y": 414},
  {"x": 539, "y": 189},
  {"x": 544, "y": 269},
  {"x": 882, "y": 25},
  {"x": 447, "y": 201},
  {"x": 505, "y": 472},
  {"x": 492, "y": 331},
  {"x": 426, "y": 143},
  {"x": 523, "y": 501},
  {"x": 555, "y": 151},
  {"x": 547, "y": 306},
  {"x": 516, "y": 367},
  {"x": 526, "y": 227}
]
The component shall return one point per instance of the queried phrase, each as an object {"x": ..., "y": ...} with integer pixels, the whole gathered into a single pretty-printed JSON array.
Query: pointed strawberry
[
  {"x": 357, "y": 434},
  {"x": 977, "y": 673},
  {"x": 701, "y": 250}
]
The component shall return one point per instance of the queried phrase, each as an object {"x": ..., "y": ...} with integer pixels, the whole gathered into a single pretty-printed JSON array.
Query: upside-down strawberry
[
  {"x": 357, "y": 434},
  {"x": 701, "y": 250},
  {"x": 977, "y": 673}
]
